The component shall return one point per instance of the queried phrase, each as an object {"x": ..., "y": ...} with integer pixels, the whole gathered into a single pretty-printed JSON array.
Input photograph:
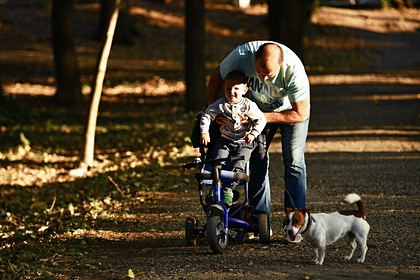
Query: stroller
[{"x": 223, "y": 223}]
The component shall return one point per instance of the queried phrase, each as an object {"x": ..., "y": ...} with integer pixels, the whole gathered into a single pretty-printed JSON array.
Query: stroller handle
[{"x": 211, "y": 161}]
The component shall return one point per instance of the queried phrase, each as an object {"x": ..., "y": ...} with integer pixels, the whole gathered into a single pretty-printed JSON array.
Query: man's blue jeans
[{"x": 293, "y": 138}]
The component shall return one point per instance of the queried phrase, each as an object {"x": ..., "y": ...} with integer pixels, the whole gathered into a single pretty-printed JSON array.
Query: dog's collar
[{"x": 310, "y": 220}]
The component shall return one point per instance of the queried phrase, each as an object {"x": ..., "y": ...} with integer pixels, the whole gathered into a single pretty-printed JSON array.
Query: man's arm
[
  {"x": 215, "y": 86},
  {"x": 299, "y": 113}
]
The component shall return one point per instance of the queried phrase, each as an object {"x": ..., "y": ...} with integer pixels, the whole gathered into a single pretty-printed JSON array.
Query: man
[{"x": 278, "y": 83}]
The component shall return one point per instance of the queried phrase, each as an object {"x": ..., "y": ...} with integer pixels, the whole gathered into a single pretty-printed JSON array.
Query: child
[{"x": 237, "y": 138}]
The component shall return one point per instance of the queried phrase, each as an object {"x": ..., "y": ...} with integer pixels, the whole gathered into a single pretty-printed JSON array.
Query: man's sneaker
[
  {"x": 227, "y": 196},
  {"x": 286, "y": 239},
  {"x": 251, "y": 235}
]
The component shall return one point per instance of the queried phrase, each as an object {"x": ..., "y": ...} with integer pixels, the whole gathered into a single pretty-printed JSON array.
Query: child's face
[{"x": 234, "y": 90}]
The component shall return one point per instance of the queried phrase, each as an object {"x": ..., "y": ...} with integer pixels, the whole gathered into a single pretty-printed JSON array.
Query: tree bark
[
  {"x": 125, "y": 28},
  {"x": 66, "y": 69},
  {"x": 287, "y": 20},
  {"x": 1, "y": 89},
  {"x": 195, "y": 76}
]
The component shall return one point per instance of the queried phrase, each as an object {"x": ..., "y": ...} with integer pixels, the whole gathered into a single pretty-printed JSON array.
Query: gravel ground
[{"x": 388, "y": 182}]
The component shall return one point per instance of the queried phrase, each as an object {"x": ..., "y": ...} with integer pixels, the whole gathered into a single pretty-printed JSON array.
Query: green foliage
[
  {"x": 25, "y": 141},
  {"x": 385, "y": 3}
]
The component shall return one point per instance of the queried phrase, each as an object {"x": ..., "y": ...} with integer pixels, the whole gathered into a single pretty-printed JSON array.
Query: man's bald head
[{"x": 268, "y": 59}]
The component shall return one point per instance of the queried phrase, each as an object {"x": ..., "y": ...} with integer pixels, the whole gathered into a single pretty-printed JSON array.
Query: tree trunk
[
  {"x": 2, "y": 98},
  {"x": 195, "y": 76},
  {"x": 125, "y": 28},
  {"x": 408, "y": 4},
  {"x": 400, "y": 4},
  {"x": 66, "y": 69},
  {"x": 287, "y": 20},
  {"x": 95, "y": 95},
  {"x": 1, "y": 89}
]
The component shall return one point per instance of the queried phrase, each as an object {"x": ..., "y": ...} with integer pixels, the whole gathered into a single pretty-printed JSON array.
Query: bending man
[{"x": 278, "y": 83}]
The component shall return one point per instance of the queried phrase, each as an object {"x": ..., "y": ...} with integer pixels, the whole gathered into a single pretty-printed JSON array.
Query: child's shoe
[
  {"x": 227, "y": 196},
  {"x": 209, "y": 197}
]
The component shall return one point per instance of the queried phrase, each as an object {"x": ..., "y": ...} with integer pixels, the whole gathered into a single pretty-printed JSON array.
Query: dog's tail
[{"x": 354, "y": 198}]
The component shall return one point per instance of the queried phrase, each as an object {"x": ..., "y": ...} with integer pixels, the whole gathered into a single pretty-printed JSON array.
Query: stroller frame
[{"x": 223, "y": 222}]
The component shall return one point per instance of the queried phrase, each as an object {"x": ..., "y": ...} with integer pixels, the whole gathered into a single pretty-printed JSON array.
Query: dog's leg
[
  {"x": 321, "y": 254},
  {"x": 361, "y": 238},
  {"x": 314, "y": 246},
  {"x": 322, "y": 244},
  {"x": 353, "y": 245},
  {"x": 315, "y": 258},
  {"x": 362, "y": 243}
]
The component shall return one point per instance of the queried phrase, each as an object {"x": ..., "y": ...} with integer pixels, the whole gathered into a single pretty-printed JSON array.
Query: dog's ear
[{"x": 288, "y": 210}]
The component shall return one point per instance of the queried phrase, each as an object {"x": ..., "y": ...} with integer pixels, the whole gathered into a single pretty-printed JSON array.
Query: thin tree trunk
[
  {"x": 195, "y": 76},
  {"x": 408, "y": 3},
  {"x": 2, "y": 98},
  {"x": 67, "y": 72},
  {"x": 95, "y": 95},
  {"x": 1, "y": 89},
  {"x": 125, "y": 29}
]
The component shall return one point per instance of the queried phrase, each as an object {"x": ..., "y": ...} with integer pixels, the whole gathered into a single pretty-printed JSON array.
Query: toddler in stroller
[{"x": 241, "y": 121}]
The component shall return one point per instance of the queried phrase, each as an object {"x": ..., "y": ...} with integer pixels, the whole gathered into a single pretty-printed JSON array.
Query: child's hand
[
  {"x": 249, "y": 138},
  {"x": 205, "y": 139}
]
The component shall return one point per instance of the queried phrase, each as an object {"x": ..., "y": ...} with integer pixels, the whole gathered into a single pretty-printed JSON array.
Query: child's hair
[{"x": 236, "y": 76}]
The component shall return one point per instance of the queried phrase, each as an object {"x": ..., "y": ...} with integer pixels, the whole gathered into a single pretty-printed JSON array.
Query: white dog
[{"x": 324, "y": 229}]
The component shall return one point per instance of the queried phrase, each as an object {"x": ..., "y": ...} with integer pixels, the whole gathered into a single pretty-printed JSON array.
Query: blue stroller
[{"x": 223, "y": 223}]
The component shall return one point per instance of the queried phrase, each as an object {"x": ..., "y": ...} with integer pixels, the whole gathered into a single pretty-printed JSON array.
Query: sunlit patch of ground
[{"x": 390, "y": 22}]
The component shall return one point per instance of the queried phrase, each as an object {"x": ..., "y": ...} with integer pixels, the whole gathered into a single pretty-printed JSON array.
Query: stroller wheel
[
  {"x": 217, "y": 235},
  {"x": 190, "y": 231},
  {"x": 264, "y": 228}
]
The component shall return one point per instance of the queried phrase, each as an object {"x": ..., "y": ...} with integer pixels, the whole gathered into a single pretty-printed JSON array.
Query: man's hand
[
  {"x": 205, "y": 139},
  {"x": 249, "y": 138},
  {"x": 244, "y": 119},
  {"x": 299, "y": 113},
  {"x": 220, "y": 119}
]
